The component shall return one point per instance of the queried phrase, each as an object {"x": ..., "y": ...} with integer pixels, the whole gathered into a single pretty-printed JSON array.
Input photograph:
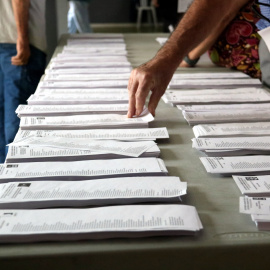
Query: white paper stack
[
  {"x": 222, "y": 107},
  {"x": 67, "y": 91},
  {"x": 61, "y": 110},
  {"x": 85, "y": 122},
  {"x": 234, "y": 146},
  {"x": 232, "y": 130},
  {"x": 83, "y": 71},
  {"x": 45, "y": 148},
  {"x": 259, "y": 209},
  {"x": 210, "y": 75},
  {"x": 90, "y": 98},
  {"x": 98, "y": 223},
  {"x": 214, "y": 83},
  {"x": 85, "y": 84},
  {"x": 44, "y": 194},
  {"x": 82, "y": 170},
  {"x": 86, "y": 77},
  {"x": 247, "y": 165},
  {"x": 30, "y": 153},
  {"x": 235, "y": 116},
  {"x": 253, "y": 186},
  {"x": 98, "y": 134},
  {"x": 216, "y": 96}
]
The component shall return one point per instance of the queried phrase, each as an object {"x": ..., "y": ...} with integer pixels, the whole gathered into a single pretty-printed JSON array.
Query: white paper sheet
[
  {"x": 95, "y": 223},
  {"x": 99, "y": 134},
  {"x": 82, "y": 170},
  {"x": 257, "y": 205},
  {"x": 41, "y": 194}
]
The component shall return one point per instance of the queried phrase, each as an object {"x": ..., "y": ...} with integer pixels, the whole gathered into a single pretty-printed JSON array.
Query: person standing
[
  {"x": 78, "y": 17},
  {"x": 22, "y": 60}
]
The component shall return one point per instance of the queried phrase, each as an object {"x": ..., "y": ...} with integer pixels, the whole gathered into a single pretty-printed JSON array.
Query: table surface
[{"x": 229, "y": 240}]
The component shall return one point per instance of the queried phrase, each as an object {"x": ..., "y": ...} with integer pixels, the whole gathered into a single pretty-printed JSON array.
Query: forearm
[
  {"x": 21, "y": 14},
  {"x": 197, "y": 24}
]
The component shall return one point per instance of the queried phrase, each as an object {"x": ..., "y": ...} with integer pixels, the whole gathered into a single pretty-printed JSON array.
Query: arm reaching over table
[{"x": 202, "y": 18}]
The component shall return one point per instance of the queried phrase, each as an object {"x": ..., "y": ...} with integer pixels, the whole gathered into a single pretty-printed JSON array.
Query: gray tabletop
[{"x": 229, "y": 239}]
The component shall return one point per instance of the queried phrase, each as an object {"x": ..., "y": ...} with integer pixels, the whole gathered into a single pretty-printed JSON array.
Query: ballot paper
[
  {"x": 58, "y": 110},
  {"x": 225, "y": 116},
  {"x": 44, "y": 194},
  {"x": 104, "y": 42},
  {"x": 247, "y": 165},
  {"x": 89, "y": 65},
  {"x": 221, "y": 107},
  {"x": 210, "y": 75},
  {"x": 95, "y": 35},
  {"x": 86, "y": 77},
  {"x": 99, "y": 134},
  {"x": 82, "y": 170},
  {"x": 262, "y": 221},
  {"x": 78, "y": 57},
  {"x": 240, "y": 95},
  {"x": 73, "y": 71},
  {"x": 83, "y": 91},
  {"x": 90, "y": 98},
  {"x": 93, "y": 51},
  {"x": 213, "y": 83},
  {"x": 85, "y": 84},
  {"x": 256, "y": 205},
  {"x": 97, "y": 223},
  {"x": 30, "y": 153},
  {"x": 232, "y": 130},
  {"x": 260, "y": 145},
  {"x": 132, "y": 149},
  {"x": 253, "y": 186},
  {"x": 92, "y": 121}
]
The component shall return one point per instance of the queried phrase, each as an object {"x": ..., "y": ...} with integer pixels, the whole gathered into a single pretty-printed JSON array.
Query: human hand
[
  {"x": 152, "y": 76},
  {"x": 23, "y": 53}
]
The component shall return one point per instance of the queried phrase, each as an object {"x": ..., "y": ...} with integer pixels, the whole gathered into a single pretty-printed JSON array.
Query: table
[{"x": 228, "y": 241}]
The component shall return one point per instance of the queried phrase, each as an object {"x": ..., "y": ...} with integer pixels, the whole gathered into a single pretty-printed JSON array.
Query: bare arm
[
  {"x": 156, "y": 74},
  {"x": 21, "y": 14}
]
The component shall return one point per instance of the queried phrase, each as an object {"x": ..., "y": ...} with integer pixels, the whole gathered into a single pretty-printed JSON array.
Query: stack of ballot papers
[
  {"x": 213, "y": 83},
  {"x": 210, "y": 75},
  {"x": 86, "y": 71},
  {"x": 222, "y": 107},
  {"x": 253, "y": 186},
  {"x": 216, "y": 96},
  {"x": 45, "y": 194},
  {"x": 84, "y": 84},
  {"x": 98, "y": 134},
  {"x": 232, "y": 130},
  {"x": 225, "y": 116},
  {"x": 82, "y": 170},
  {"x": 90, "y": 98},
  {"x": 61, "y": 110},
  {"x": 247, "y": 165},
  {"x": 85, "y": 121},
  {"x": 234, "y": 146},
  {"x": 98, "y": 223},
  {"x": 67, "y": 91},
  {"x": 33, "y": 149},
  {"x": 258, "y": 208}
]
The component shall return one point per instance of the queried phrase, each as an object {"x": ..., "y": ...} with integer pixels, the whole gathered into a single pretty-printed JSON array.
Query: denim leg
[
  {"x": 72, "y": 29},
  {"x": 19, "y": 83},
  {"x": 2, "y": 129},
  {"x": 81, "y": 16}
]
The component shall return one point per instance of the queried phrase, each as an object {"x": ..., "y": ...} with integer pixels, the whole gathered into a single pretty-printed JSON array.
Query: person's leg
[
  {"x": 2, "y": 104},
  {"x": 72, "y": 29},
  {"x": 264, "y": 55},
  {"x": 20, "y": 83},
  {"x": 81, "y": 17}
]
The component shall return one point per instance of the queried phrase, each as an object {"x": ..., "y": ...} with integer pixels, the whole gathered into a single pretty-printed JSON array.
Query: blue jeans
[
  {"x": 17, "y": 83},
  {"x": 78, "y": 17}
]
